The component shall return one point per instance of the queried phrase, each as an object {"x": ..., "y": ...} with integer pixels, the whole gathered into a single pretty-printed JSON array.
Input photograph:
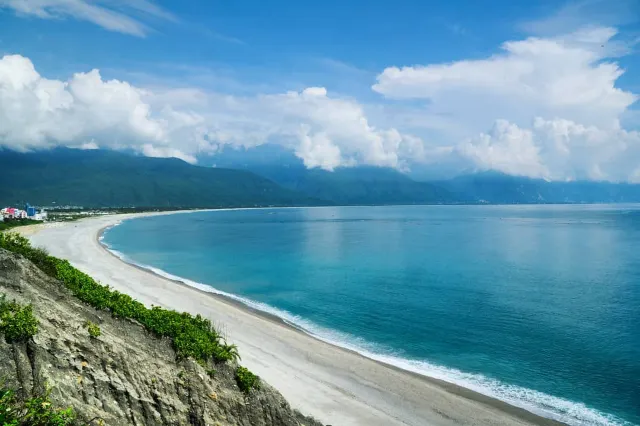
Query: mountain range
[{"x": 97, "y": 178}]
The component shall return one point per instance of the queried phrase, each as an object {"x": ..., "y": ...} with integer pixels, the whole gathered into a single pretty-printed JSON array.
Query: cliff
[{"x": 124, "y": 376}]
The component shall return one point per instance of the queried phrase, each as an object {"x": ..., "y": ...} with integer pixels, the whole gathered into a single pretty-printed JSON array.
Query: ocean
[{"x": 536, "y": 305}]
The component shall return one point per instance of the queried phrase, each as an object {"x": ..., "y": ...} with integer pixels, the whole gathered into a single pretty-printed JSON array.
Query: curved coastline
[
  {"x": 469, "y": 385},
  {"x": 450, "y": 402}
]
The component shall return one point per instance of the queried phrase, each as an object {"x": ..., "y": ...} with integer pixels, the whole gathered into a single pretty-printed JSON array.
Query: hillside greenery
[
  {"x": 108, "y": 179},
  {"x": 18, "y": 324},
  {"x": 192, "y": 336},
  {"x": 356, "y": 185},
  {"x": 113, "y": 179},
  {"x": 36, "y": 411},
  {"x": 246, "y": 380}
]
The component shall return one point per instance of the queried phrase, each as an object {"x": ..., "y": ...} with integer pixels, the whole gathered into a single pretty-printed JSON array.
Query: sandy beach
[{"x": 336, "y": 386}]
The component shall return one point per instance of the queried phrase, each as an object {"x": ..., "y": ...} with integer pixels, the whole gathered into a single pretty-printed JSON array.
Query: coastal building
[
  {"x": 28, "y": 213},
  {"x": 31, "y": 211},
  {"x": 13, "y": 213}
]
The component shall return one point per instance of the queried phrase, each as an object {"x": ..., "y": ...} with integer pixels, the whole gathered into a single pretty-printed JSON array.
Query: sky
[{"x": 545, "y": 89}]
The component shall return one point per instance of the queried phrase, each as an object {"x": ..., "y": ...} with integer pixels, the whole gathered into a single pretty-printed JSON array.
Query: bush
[
  {"x": 36, "y": 411},
  {"x": 93, "y": 329},
  {"x": 19, "y": 244},
  {"x": 192, "y": 336},
  {"x": 246, "y": 380},
  {"x": 17, "y": 322}
]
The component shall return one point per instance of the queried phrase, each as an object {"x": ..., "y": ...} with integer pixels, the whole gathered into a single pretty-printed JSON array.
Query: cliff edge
[{"x": 124, "y": 376}]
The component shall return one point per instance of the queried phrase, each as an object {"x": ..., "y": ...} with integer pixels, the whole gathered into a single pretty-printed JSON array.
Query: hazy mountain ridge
[
  {"x": 114, "y": 179},
  {"x": 499, "y": 188}
]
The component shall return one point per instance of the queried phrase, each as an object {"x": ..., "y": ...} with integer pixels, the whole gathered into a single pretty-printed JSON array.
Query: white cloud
[
  {"x": 507, "y": 148},
  {"x": 113, "y": 15},
  {"x": 87, "y": 111},
  {"x": 552, "y": 106},
  {"x": 555, "y": 149},
  {"x": 550, "y": 77},
  {"x": 36, "y": 112},
  {"x": 554, "y": 103},
  {"x": 577, "y": 14}
]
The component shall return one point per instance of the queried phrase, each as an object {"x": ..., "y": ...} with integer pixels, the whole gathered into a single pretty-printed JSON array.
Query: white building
[{"x": 13, "y": 213}]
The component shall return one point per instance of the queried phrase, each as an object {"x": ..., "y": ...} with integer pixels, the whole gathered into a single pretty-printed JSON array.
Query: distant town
[{"x": 29, "y": 212}]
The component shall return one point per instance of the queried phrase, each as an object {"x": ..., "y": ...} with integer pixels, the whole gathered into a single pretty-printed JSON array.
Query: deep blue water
[{"x": 537, "y": 305}]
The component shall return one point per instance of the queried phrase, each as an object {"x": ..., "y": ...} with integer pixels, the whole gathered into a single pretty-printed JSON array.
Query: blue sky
[{"x": 544, "y": 89}]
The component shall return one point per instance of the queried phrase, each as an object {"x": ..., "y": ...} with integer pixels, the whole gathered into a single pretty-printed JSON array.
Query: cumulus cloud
[
  {"x": 550, "y": 77},
  {"x": 554, "y": 104},
  {"x": 113, "y": 15},
  {"x": 88, "y": 111},
  {"x": 36, "y": 112},
  {"x": 551, "y": 106},
  {"x": 554, "y": 149}
]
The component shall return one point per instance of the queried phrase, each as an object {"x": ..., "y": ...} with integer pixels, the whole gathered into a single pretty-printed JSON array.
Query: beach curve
[{"x": 337, "y": 386}]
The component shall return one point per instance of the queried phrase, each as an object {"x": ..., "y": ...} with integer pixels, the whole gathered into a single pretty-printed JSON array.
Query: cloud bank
[
  {"x": 553, "y": 101},
  {"x": 88, "y": 111},
  {"x": 542, "y": 107}
]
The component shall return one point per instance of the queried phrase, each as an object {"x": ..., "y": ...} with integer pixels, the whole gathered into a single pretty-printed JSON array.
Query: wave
[{"x": 545, "y": 405}]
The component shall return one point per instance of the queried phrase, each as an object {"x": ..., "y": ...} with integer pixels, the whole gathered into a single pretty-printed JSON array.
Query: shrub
[
  {"x": 17, "y": 322},
  {"x": 246, "y": 380},
  {"x": 36, "y": 411},
  {"x": 192, "y": 336},
  {"x": 19, "y": 244},
  {"x": 227, "y": 352},
  {"x": 93, "y": 329}
]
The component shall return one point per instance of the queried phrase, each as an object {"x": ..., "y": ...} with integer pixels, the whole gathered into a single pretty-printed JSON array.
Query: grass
[
  {"x": 192, "y": 336},
  {"x": 17, "y": 322}
]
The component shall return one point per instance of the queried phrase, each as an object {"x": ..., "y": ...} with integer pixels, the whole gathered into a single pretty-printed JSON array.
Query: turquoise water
[{"x": 536, "y": 305}]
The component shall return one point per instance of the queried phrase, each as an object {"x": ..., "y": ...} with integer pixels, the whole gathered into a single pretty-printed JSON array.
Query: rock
[{"x": 126, "y": 375}]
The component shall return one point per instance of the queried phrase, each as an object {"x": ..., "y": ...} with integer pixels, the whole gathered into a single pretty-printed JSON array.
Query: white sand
[{"x": 334, "y": 385}]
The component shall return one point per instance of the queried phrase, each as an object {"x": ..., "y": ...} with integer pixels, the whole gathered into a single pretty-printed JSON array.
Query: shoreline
[{"x": 442, "y": 412}]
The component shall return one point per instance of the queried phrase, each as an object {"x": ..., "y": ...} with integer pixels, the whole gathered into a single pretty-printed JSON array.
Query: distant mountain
[
  {"x": 498, "y": 188},
  {"x": 363, "y": 185},
  {"x": 112, "y": 179},
  {"x": 356, "y": 185}
]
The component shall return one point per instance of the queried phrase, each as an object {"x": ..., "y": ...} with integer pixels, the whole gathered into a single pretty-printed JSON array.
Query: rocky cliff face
[{"x": 126, "y": 376}]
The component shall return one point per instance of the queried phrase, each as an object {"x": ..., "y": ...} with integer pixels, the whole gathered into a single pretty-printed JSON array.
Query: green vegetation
[
  {"x": 36, "y": 411},
  {"x": 246, "y": 380},
  {"x": 98, "y": 178},
  {"x": 356, "y": 185},
  {"x": 211, "y": 372},
  {"x": 93, "y": 329},
  {"x": 192, "y": 336},
  {"x": 14, "y": 223},
  {"x": 17, "y": 322}
]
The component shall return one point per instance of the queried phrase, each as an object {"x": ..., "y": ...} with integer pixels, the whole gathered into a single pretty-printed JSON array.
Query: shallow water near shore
[{"x": 536, "y": 305}]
